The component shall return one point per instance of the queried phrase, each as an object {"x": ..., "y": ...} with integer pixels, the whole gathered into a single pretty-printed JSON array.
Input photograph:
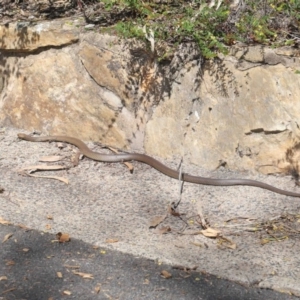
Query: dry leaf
[
  {"x": 71, "y": 267},
  {"x": 63, "y": 237},
  {"x": 51, "y": 158},
  {"x": 84, "y": 275},
  {"x": 97, "y": 289},
  {"x": 185, "y": 269},
  {"x": 210, "y": 232},
  {"x": 43, "y": 168},
  {"x": 4, "y": 222},
  {"x": 165, "y": 274},
  {"x": 9, "y": 290},
  {"x": 23, "y": 227},
  {"x": 25, "y": 249},
  {"x": 129, "y": 165},
  {"x": 156, "y": 221},
  {"x": 163, "y": 230},
  {"x": 49, "y": 217},
  {"x": 225, "y": 242},
  {"x": 110, "y": 241},
  {"x": 10, "y": 263},
  {"x": 48, "y": 226},
  {"x": 61, "y": 145},
  {"x": 231, "y": 246},
  {"x": 179, "y": 245},
  {"x": 75, "y": 158},
  {"x": 266, "y": 241},
  {"x": 59, "y": 274},
  {"x": 3, "y": 278},
  {"x": 65, "y": 180},
  {"x": 197, "y": 244},
  {"x": 173, "y": 211},
  {"x": 67, "y": 293},
  {"x": 8, "y": 236}
]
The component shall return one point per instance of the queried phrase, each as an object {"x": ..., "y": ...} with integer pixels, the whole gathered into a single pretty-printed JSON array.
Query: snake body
[{"x": 113, "y": 158}]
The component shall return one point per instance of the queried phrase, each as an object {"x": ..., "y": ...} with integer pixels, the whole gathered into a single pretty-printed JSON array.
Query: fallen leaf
[
  {"x": 9, "y": 290},
  {"x": 10, "y": 263},
  {"x": 156, "y": 221},
  {"x": 71, "y": 267},
  {"x": 240, "y": 218},
  {"x": 8, "y": 236},
  {"x": 197, "y": 244},
  {"x": 75, "y": 158},
  {"x": 179, "y": 245},
  {"x": 102, "y": 251},
  {"x": 43, "y": 168},
  {"x": 59, "y": 274},
  {"x": 210, "y": 232},
  {"x": 3, "y": 278},
  {"x": 61, "y": 145},
  {"x": 97, "y": 289},
  {"x": 225, "y": 242},
  {"x": 4, "y": 222},
  {"x": 84, "y": 275},
  {"x": 49, "y": 217},
  {"x": 48, "y": 226},
  {"x": 63, "y": 237},
  {"x": 165, "y": 274},
  {"x": 67, "y": 293},
  {"x": 51, "y": 158},
  {"x": 232, "y": 246},
  {"x": 65, "y": 180},
  {"x": 25, "y": 249},
  {"x": 23, "y": 227},
  {"x": 163, "y": 230},
  {"x": 172, "y": 211},
  {"x": 185, "y": 269},
  {"x": 127, "y": 164},
  {"x": 110, "y": 241}
]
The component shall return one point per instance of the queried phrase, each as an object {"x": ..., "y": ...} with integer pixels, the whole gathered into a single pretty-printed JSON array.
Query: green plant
[
  {"x": 129, "y": 30},
  {"x": 272, "y": 22}
]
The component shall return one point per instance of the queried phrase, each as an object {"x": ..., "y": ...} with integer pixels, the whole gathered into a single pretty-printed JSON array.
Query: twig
[{"x": 181, "y": 182}]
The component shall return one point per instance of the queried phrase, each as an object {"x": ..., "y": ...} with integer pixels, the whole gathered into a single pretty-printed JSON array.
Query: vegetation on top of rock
[{"x": 212, "y": 26}]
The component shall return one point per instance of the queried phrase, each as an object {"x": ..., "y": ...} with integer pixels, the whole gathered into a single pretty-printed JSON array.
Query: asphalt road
[{"x": 34, "y": 266}]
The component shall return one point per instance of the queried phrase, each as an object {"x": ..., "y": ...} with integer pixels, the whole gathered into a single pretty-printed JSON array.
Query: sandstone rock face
[{"x": 239, "y": 111}]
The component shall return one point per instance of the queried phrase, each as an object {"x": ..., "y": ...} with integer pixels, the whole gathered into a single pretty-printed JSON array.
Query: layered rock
[{"x": 239, "y": 111}]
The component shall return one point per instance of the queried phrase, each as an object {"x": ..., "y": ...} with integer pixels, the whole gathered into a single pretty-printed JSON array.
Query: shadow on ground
[{"x": 31, "y": 260}]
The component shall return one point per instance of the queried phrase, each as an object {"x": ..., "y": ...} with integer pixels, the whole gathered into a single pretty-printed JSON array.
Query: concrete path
[
  {"x": 33, "y": 267},
  {"x": 105, "y": 201}
]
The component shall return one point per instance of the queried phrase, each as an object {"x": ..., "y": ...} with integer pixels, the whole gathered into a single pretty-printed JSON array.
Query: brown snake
[{"x": 113, "y": 158}]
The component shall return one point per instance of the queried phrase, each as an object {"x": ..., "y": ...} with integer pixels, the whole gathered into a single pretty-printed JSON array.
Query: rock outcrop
[{"x": 239, "y": 111}]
